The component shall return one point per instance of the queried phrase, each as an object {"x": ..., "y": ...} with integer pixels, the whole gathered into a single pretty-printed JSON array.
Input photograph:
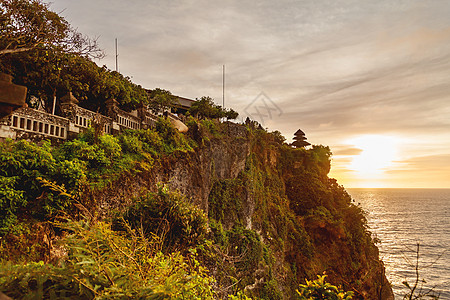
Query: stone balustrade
[
  {"x": 17, "y": 121},
  {"x": 36, "y": 125}
]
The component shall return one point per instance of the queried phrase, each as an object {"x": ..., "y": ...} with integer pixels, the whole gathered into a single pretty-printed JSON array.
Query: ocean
[{"x": 401, "y": 218}]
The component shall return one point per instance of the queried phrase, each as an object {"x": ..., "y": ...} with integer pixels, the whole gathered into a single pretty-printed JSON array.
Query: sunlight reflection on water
[{"x": 401, "y": 218}]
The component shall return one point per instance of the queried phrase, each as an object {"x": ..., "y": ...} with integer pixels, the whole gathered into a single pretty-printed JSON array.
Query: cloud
[
  {"x": 429, "y": 163},
  {"x": 346, "y": 151},
  {"x": 422, "y": 171}
]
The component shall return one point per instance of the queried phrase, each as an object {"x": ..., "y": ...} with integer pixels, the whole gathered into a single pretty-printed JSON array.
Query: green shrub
[
  {"x": 110, "y": 145},
  {"x": 94, "y": 155},
  {"x": 131, "y": 143},
  {"x": 11, "y": 200},
  {"x": 165, "y": 129},
  {"x": 191, "y": 122},
  {"x": 320, "y": 290},
  {"x": 247, "y": 245},
  {"x": 166, "y": 214},
  {"x": 71, "y": 173},
  {"x": 24, "y": 167},
  {"x": 225, "y": 200},
  {"x": 212, "y": 126},
  {"x": 152, "y": 142}
]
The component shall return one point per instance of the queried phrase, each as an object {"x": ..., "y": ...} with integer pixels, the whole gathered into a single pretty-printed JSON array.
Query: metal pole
[
  {"x": 117, "y": 65},
  {"x": 223, "y": 86},
  {"x": 54, "y": 103}
]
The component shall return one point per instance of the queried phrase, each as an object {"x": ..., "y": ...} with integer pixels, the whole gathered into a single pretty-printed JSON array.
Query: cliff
[{"x": 273, "y": 216}]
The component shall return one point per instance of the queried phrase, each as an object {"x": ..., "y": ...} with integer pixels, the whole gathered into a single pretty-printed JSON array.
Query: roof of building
[
  {"x": 185, "y": 102},
  {"x": 299, "y": 132}
]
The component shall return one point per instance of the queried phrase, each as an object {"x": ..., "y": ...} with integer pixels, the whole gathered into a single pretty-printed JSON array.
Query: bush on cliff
[
  {"x": 104, "y": 264},
  {"x": 26, "y": 170},
  {"x": 320, "y": 289},
  {"x": 168, "y": 215}
]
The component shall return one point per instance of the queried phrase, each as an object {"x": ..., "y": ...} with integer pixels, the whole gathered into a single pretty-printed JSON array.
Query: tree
[
  {"x": 231, "y": 114},
  {"x": 42, "y": 43},
  {"x": 30, "y": 24},
  {"x": 416, "y": 291},
  {"x": 206, "y": 108},
  {"x": 278, "y": 137},
  {"x": 161, "y": 100},
  {"x": 300, "y": 139},
  {"x": 203, "y": 108},
  {"x": 90, "y": 84}
]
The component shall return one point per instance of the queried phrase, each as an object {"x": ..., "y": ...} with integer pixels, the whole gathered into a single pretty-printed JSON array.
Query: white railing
[
  {"x": 127, "y": 122},
  {"x": 29, "y": 124}
]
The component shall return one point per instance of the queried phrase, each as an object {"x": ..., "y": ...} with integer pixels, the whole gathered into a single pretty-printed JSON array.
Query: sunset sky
[{"x": 370, "y": 79}]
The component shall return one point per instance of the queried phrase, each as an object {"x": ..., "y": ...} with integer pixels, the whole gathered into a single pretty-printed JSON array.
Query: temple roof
[{"x": 299, "y": 132}]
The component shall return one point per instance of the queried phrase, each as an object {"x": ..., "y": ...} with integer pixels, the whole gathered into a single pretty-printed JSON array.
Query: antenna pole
[
  {"x": 117, "y": 65},
  {"x": 223, "y": 86}
]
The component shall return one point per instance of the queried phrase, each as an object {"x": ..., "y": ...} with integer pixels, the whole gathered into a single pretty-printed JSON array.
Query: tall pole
[
  {"x": 223, "y": 86},
  {"x": 117, "y": 65},
  {"x": 54, "y": 91}
]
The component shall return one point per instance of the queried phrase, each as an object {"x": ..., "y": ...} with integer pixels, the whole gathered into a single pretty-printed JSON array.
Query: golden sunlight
[{"x": 378, "y": 154}]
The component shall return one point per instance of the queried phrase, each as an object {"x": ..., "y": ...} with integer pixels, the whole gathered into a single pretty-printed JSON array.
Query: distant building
[{"x": 300, "y": 139}]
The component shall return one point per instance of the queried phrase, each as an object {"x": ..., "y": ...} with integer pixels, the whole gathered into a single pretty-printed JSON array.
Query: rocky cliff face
[
  {"x": 218, "y": 159},
  {"x": 282, "y": 218},
  {"x": 190, "y": 173}
]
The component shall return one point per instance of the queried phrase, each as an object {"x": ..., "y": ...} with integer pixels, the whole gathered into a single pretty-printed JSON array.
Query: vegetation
[
  {"x": 104, "y": 264},
  {"x": 319, "y": 289},
  {"x": 301, "y": 215},
  {"x": 280, "y": 220},
  {"x": 206, "y": 108},
  {"x": 166, "y": 215},
  {"x": 41, "y": 181},
  {"x": 161, "y": 100},
  {"x": 40, "y": 49},
  {"x": 49, "y": 73},
  {"x": 30, "y": 24}
]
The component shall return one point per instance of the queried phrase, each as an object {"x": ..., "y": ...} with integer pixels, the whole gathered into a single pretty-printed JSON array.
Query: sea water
[{"x": 403, "y": 218}]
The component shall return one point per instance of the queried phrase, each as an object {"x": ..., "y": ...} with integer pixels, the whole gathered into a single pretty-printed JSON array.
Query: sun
[{"x": 377, "y": 155}]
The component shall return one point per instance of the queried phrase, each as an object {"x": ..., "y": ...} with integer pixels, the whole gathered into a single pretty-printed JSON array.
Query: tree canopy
[
  {"x": 30, "y": 24},
  {"x": 161, "y": 100},
  {"x": 206, "y": 108},
  {"x": 45, "y": 73}
]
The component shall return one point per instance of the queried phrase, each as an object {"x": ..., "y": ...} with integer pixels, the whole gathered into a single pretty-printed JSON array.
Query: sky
[{"x": 369, "y": 79}]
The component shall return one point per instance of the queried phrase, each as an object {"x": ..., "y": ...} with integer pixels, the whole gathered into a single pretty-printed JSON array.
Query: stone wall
[
  {"x": 147, "y": 117},
  {"x": 36, "y": 125},
  {"x": 31, "y": 124},
  {"x": 127, "y": 120},
  {"x": 80, "y": 119}
]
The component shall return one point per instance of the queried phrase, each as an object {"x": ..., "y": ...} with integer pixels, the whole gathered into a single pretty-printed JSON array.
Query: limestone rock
[{"x": 180, "y": 126}]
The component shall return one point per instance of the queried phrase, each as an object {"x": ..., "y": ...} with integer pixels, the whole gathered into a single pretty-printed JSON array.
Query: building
[{"x": 17, "y": 121}]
